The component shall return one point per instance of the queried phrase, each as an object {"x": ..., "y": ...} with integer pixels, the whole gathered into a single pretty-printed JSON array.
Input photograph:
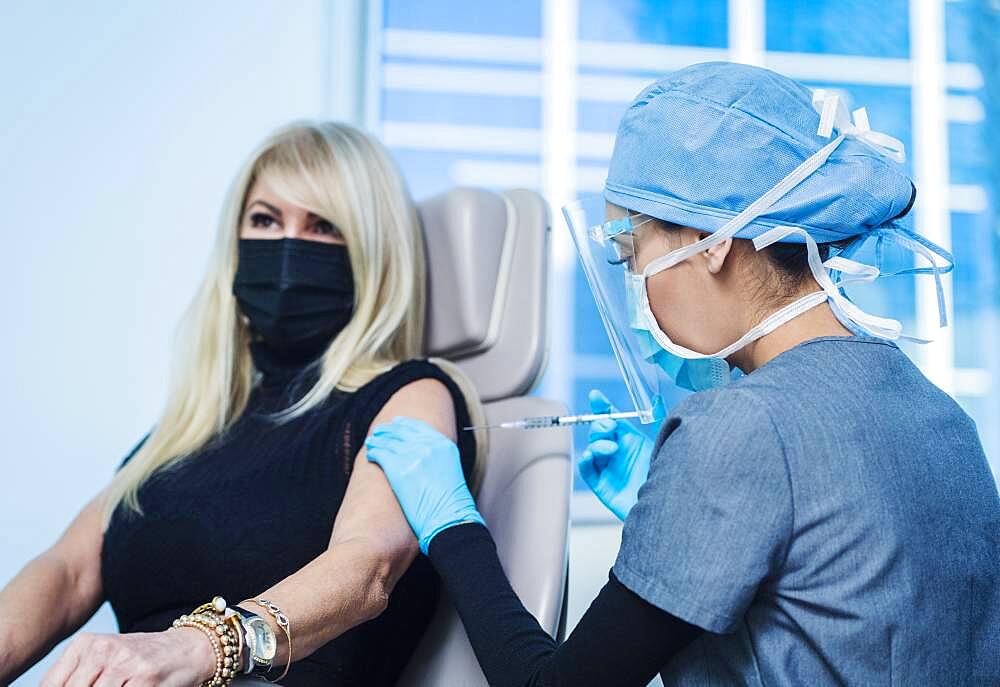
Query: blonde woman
[{"x": 253, "y": 485}]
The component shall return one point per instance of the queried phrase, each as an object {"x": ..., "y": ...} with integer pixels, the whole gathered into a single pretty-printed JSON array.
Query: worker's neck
[{"x": 815, "y": 322}]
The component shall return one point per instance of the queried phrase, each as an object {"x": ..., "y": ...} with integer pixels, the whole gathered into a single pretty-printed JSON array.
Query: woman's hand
[
  {"x": 425, "y": 471},
  {"x": 616, "y": 462},
  {"x": 178, "y": 657}
]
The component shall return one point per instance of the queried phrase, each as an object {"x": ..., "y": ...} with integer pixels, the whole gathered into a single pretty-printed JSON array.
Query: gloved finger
[
  {"x": 391, "y": 462},
  {"x": 603, "y": 451},
  {"x": 588, "y": 472},
  {"x": 401, "y": 423},
  {"x": 599, "y": 403},
  {"x": 393, "y": 441},
  {"x": 411, "y": 425},
  {"x": 379, "y": 456},
  {"x": 394, "y": 427},
  {"x": 387, "y": 442},
  {"x": 604, "y": 428},
  {"x": 389, "y": 436},
  {"x": 386, "y": 432}
]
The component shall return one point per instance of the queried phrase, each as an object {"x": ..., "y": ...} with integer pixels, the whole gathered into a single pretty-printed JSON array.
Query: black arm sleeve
[{"x": 621, "y": 639}]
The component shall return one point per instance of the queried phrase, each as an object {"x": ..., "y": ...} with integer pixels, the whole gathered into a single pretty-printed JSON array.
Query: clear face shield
[{"x": 605, "y": 240}]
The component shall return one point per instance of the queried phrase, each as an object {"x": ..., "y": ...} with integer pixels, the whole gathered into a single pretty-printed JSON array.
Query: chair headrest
[{"x": 487, "y": 260}]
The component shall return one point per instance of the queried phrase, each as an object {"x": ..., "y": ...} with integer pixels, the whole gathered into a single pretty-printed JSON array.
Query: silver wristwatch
[{"x": 260, "y": 642}]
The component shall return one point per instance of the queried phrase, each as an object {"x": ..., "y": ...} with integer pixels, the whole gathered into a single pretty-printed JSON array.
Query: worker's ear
[{"x": 715, "y": 257}]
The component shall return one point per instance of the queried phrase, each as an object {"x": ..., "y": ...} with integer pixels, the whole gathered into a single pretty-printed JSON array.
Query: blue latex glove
[
  {"x": 424, "y": 469},
  {"x": 616, "y": 461}
]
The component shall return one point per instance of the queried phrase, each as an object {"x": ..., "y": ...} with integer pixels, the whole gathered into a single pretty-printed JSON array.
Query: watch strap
[
  {"x": 258, "y": 667},
  {"x": 244, "y": 612}
]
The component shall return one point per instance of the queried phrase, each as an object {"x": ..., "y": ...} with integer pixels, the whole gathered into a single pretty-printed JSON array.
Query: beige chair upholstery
[{"x": 488, "y": 258}]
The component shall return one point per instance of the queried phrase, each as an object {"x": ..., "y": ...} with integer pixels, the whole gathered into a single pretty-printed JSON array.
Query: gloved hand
[
  {"x": 616, "y": 461},
  {"x": 425, "y": 471}
]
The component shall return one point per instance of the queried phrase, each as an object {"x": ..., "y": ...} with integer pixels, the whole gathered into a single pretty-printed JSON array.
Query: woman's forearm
[
  {"x": 345, "y": 586},
  {"x": 41, "y": 606},
  {"x": 53, "y": 595}
]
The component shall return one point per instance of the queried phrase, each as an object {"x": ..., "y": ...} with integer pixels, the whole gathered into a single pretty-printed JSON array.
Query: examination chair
[{"x": 487, "y": 271}]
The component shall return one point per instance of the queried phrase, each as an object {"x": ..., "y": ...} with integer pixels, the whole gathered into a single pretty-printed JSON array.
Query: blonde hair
[{"x": 344, "y": 176}]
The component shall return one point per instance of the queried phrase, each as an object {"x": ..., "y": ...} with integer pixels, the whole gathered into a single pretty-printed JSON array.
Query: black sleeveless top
[{"x": 256, "y": 505}]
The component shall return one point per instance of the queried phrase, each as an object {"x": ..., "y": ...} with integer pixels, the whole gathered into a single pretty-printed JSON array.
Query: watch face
[{"x": 264, "y": 644}]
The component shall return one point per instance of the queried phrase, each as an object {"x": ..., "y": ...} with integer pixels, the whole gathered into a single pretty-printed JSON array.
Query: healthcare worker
[{"x": 827, "y": 517}]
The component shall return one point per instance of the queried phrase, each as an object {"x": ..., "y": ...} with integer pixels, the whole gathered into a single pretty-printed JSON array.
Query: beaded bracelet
[
  {"x": 221, "y": 614},
  {"x": 225, "y": 670},
  {"x": 213, "y": 615},
  {"x": 228, "y": 638},
  {"x": 210, "y": 619},
  {"x": 219, "y": 677},
  {"x": 282, "y": 621}
]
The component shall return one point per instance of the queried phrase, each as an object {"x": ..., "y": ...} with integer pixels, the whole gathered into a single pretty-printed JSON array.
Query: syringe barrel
[{"x": 540, "y": 422}]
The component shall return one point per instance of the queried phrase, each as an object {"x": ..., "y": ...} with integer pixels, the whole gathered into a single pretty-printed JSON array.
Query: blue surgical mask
[{"x": 696, "y": 374}]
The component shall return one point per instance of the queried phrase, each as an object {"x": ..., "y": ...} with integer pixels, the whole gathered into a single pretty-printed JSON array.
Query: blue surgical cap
[{"x": 700, "y": 145}]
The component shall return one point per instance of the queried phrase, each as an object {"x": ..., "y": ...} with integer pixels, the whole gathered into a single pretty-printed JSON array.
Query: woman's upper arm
[
  {"x": 370, "y": 510},
  {"x": 78, "y": 551}
]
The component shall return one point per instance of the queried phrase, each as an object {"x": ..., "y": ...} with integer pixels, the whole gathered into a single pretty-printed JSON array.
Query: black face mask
[{"x": 297, "y": 294}]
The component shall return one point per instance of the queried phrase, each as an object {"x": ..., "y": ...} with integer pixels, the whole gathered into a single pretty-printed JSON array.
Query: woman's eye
[
  {"x": 326, "y": 228},
  {"x": 260, "y": 220}
]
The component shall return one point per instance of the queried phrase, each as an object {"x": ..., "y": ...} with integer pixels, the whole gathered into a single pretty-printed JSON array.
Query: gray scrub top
[{"x": 829, "y": 519}]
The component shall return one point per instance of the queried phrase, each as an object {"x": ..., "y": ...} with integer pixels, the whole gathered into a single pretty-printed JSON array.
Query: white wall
[{"x": 121, "y": 125}]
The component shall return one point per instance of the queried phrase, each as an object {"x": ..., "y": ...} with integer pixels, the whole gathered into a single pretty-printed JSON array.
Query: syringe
[{"x": 542, "y": 421}]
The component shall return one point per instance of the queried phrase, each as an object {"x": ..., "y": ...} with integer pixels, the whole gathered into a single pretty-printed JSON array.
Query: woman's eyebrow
[{"x": 270, "y": 207}]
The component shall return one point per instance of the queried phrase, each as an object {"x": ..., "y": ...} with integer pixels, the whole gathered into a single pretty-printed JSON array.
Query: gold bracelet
[
  {"x": 283, "y": 623},
  {"x": 218, "y": 608},
  {"x": 222, "y": 675},
  {"x": 234, "y": 620},
  {"x": 225, "y": 670},
  {"x": 211, "y": 619},
  {"x": 228, "y": 639}
]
